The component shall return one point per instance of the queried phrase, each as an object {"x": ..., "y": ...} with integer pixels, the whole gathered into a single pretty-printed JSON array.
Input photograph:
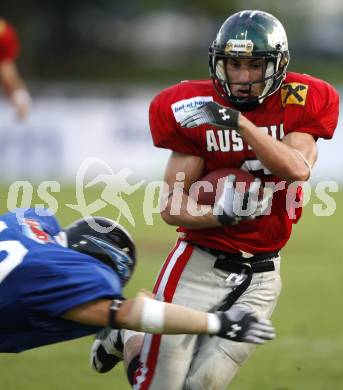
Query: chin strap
[{"x": 244, "y": 106}]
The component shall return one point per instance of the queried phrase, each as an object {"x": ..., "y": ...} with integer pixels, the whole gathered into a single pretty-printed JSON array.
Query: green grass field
[{"x": 306, "y": 355}]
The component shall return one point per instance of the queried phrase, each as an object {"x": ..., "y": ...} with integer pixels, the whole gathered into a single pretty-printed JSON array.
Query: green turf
[{"x": 308, "y": 351}]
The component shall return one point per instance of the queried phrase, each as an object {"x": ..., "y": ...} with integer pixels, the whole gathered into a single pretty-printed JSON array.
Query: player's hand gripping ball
[{"x": 235, "y": 195}]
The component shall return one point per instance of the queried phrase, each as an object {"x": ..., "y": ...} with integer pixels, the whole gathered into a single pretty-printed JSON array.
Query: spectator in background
[{"x": 10, "y": 78}]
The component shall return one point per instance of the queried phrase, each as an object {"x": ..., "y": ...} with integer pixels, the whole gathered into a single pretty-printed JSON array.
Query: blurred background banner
[{"x": 62, "y": 132}]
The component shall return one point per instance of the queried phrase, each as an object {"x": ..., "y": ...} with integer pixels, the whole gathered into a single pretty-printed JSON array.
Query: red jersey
[
  {"x": 9, "y": 44},
  {"x": 302, "y": 104}
]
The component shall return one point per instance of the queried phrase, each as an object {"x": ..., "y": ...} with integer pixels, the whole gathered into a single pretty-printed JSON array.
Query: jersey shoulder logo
[
  {"x": 294, "y": 93},
  {"x": 34, "y": 230},
  {"x": 182, "y": 108}
]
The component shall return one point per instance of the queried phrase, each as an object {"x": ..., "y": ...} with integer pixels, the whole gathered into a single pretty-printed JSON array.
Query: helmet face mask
[
  {"x": 114, "y": 248},
  {"x": 249, "y": 35}
]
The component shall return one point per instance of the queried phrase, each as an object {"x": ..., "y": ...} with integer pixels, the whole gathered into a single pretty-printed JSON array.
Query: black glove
[
  {"x": 213, "y": 114},
  {"x": 240, "y": 325}
]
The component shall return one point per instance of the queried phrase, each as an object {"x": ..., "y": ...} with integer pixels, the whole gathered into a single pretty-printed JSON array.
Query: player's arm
[
  {"x": 290, "y": 159},
  {"x": 148, "y": 315},
  {"x": 134, "y": 314},
  {"x": 15, "y": 88},
  {"x": 177, "y": 207},
  {"x": 180, "y": 209}
]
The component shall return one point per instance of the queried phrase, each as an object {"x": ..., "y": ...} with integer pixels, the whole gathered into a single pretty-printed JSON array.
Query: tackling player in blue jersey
[
  {"x": 58, "y": 285},
  {"x": 41, "y": 279}
]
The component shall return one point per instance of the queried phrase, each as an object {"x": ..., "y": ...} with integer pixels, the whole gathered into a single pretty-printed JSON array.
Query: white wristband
[
  {"x": 213, "y": 323},
  {"x": 152, "y": 317}
]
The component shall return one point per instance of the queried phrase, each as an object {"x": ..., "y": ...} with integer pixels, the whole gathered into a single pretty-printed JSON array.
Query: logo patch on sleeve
[
  {"x": 184, "y": 107},
  {"x": 294, "y": 93},
  {"x": 34, "y": 230}
]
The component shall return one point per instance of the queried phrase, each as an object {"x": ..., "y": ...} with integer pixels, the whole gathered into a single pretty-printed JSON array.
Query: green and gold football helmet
[{"x": 250, "y": 34}]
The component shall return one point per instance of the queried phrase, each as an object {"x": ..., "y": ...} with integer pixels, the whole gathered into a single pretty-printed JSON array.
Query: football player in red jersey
[
  {"x": 252, "y": 115},
  {"x": 10, "y": 78}
]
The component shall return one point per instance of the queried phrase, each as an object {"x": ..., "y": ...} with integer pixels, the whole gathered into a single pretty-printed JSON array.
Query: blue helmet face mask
[
  {"x": 114, "y": 248},
  {"x": 120, "y": 261}
]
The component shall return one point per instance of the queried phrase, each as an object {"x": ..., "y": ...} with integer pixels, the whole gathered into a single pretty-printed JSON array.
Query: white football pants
[{"x": 175, "y": 362}]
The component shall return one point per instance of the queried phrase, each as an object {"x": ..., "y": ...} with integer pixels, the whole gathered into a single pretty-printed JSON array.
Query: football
[{"x": 209, "y": 188}]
